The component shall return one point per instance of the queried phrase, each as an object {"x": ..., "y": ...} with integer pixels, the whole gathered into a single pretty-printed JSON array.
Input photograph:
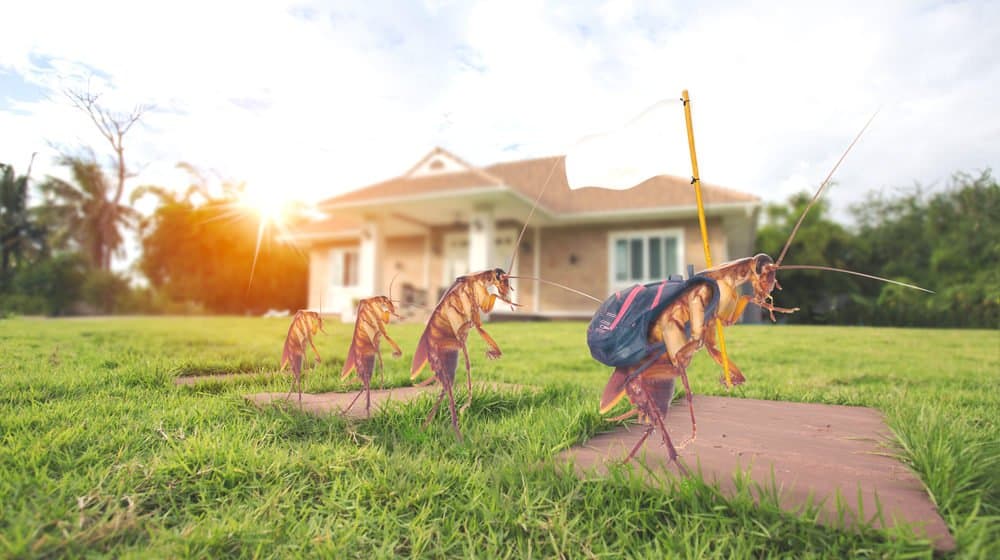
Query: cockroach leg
[
  {"x": 625, "y": 416},
  {"x": 690, "y": 400},
  {"x": 468, "y": 377},
  {"x": 434, "y": 410},
  {"x": 649, "y": 430}
]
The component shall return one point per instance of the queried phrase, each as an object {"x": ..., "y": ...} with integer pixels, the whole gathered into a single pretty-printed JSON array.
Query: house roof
[
  {"x": 527, "y": 177},
  {"x": 341, "y": 227}
]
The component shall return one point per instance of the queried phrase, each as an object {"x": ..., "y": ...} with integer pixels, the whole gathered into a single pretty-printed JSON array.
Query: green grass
[{"x": 100, "y": 453}]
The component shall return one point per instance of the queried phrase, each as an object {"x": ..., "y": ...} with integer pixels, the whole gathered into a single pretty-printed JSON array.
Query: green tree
[
  {"x": 56, "y": 282},
  {"x": 201, "y": 248},
  {"x": 22, "y": 237},
  {"x": 947, "y": 241},
  {"x": 86, "y": 214}
]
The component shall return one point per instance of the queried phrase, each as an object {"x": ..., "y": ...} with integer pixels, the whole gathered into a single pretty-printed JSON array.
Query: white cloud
[{"x": 314, "y": 98}]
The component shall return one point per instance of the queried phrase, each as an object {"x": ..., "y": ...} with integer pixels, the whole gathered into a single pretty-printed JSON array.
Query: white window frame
[
  {"x": 337, "y": 261},
  {"x": 645, "y": 235}
]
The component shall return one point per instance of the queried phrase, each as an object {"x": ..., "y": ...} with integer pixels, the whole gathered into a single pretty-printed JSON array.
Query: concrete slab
[
  {"x": 334, "y": 403},
  {"x": 189, "y": 380},
  {"x": 815, "y": 450}
]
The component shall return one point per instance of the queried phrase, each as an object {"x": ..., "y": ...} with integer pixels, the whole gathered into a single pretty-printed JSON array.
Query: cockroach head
[
  {"x": 315, "y": 321},
  {"x": 763, "y": 273},
  {"x": 386, "y": 306},
  {"x": 501, "y": 281}
]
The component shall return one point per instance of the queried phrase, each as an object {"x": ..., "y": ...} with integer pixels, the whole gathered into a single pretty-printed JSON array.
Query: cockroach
[
  {"x": 760, "y": 271},
  {"x": 305, "y": 325},
  {"x": 688, "y": 322},
  {"x": 650, "y": 335},
  {"x": 369, "y": 328},
  {"x": 458, "y": 311}
]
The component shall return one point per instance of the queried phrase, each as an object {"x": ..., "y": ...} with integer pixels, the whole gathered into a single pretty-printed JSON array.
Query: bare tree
[{"x": 113, "y": 127}]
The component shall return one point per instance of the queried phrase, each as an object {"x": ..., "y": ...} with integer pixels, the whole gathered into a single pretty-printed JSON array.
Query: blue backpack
[{"x": 617, "y": 334}]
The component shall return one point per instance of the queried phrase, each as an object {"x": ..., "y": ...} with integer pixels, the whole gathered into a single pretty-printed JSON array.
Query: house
[{"x": 445, "y": 217}]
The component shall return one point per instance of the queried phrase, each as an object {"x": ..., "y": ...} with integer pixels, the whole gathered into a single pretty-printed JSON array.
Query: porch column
[
  {"x": 371, "y": 258},
  {"x": 482, "y": 239}
]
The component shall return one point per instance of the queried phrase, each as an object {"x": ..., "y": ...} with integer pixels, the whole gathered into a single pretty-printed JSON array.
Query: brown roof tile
[{"x": 528, "y": 177}]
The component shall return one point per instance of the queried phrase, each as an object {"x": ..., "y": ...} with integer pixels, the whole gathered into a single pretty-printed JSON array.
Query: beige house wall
[
  {"x": 404, "y": 260},
  {"x": 590, "y": 245},
  {"x": 419, "y": 258},
  {"x": 320, "y": 271}
]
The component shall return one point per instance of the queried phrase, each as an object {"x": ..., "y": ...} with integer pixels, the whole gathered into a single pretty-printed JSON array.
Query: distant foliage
[
  {"x": 946, "y": 240},
  {"x": 822, "y": 296},
  {"x": 51, "y": 286},
  {"x": 200, "y": 248},
  {"x": 22, "y": 235}
]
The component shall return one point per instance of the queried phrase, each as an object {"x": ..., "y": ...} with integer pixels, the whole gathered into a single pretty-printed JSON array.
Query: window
[
  {"x": 645, "y": 256},
  {"x": 344, "y": 268}
]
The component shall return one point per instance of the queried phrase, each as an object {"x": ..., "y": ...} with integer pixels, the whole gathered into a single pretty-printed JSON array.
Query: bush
[
  {"x": 106, "y": 292},
  {"x": 57, "y": 282},
  {"x": 21, "y": 304}
]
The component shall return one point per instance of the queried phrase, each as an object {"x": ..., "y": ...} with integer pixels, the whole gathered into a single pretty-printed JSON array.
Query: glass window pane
[
  {"x": 336, "y": 267},
  {"x": 655, "y": 258},
  {"x": 670, "y": 257},
  {"x": 351, "y": 268},
  {"x": 635, "y": 259},
  {"x": 621, "y": 260}
]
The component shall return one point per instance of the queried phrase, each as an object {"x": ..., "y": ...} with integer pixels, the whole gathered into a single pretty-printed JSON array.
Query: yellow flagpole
[{"x": 696, "y": 181}]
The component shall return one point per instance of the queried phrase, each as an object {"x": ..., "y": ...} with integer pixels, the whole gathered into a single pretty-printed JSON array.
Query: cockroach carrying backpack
[{"x": 617, "y": 334}]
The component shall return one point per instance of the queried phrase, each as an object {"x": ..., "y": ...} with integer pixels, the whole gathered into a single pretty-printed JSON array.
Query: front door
[{"x": 456, "y": 257}]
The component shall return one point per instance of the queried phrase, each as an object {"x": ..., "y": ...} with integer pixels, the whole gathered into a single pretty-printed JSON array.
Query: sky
[{"x": 310, "y": 99}]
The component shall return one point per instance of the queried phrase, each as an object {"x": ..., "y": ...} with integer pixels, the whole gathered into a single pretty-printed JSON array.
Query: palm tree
[
  {"x": 22, "y": 237},
  {"x": 86, "y": 213}
]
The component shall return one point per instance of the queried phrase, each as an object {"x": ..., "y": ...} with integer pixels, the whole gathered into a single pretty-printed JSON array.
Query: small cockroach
[
  {"x": 305, "y": 325},
  {"x": 369, "y": 328},
  {"x": 458, "y": 311},
  {"x": 448, "y": 328}
]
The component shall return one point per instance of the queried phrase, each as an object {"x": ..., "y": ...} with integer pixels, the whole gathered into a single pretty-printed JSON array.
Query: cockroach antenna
[
  {"x": 391, "y": 282},
  {"x": 822, "y": 187},
  {"x": 517, "y": 245},
  {"x": 819, "y": 192},
  {"x": 863, "y": 275},
  {"x": 558, "y": 285}
]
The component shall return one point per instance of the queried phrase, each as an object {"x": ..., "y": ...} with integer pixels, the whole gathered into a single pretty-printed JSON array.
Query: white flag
[{"x": 653, "y": 143}]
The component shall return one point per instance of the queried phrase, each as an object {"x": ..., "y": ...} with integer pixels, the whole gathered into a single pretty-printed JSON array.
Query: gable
[{"x": 438, "y": 162}]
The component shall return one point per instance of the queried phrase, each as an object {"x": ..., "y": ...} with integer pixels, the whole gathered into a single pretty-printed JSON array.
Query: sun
[{"x": 268, "y": 204}]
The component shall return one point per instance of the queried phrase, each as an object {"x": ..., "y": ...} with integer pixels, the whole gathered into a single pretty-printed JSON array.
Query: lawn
[{"x": 101, "y": 453}]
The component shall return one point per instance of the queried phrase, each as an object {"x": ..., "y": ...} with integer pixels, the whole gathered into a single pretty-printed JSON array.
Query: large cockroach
[
  {"x": 760, "y": 271},
  {"x": 305, "y": 325},
  {"x": 686, "y": 324},
  {"x": 369, "y": 328},
  {"x": 649, "y": 335}
]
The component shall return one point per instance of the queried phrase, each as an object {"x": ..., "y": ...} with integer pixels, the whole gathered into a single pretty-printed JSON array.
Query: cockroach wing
[
  {"x": 614, "y": 390},
  {"x": 349, "y": 362},
  {"x": 288, "y": 353},
  {"x": 421, "y": 354}
]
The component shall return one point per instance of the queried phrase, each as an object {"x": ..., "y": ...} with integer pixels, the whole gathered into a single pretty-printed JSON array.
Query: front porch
[{"x": 421, "y": 246}]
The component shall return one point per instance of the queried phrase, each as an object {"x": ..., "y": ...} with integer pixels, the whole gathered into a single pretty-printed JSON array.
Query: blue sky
[{"x": 312, "y": 98}]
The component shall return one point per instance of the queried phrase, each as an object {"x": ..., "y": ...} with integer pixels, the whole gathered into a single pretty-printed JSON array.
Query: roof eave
[
  {"x": 433, "y": 195},
  {"x": 658, "y": 212}
]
